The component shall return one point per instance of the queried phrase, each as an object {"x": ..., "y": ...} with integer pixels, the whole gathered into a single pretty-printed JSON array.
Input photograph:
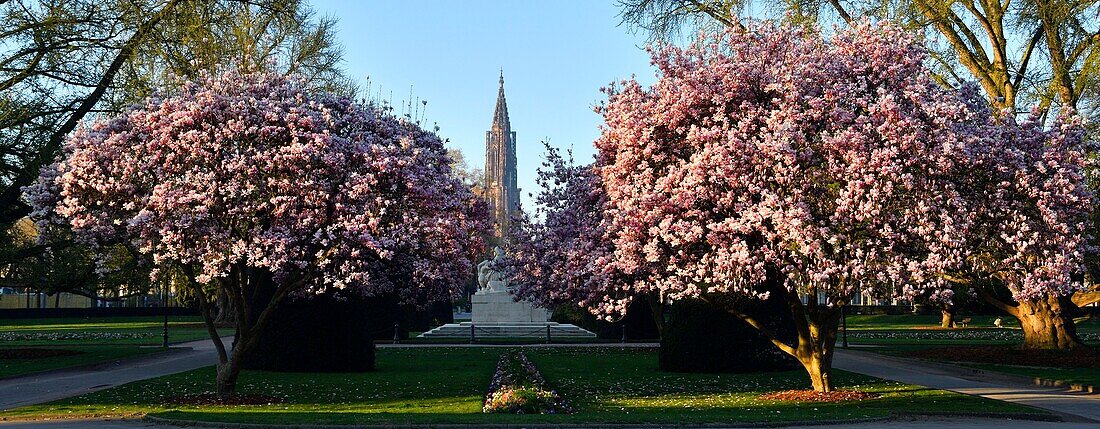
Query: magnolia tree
[
  {"x": 566, "y": 257},
  {"x": 244, "y": 182},
  {"x": 1025, "y": 224},
  {"x": 773, "y": 153}
]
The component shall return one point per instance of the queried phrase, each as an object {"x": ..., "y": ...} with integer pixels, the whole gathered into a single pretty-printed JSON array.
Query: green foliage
[{"x": 325, "y": 333}]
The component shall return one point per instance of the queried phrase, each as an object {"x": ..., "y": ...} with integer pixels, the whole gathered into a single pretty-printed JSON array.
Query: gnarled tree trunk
[
  {"x": 818, "y": 365},
  {"x": 224, "y": 313},
  {"x": 1047, "y": 324}
]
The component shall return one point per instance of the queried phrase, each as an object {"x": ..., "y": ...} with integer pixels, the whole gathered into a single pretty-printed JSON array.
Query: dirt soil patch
[
  {"x": 1083, "y": 358},
  {"x": 36, "y": 353},
  {"x": 815, "y": 396},
  {"x": 202, "y": 399}
]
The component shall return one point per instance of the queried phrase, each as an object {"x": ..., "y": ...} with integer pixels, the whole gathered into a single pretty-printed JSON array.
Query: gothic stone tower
[{"x": 500, "y": 166}]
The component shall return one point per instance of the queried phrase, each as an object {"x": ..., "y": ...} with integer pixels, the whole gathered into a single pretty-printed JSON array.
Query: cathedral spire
[
  {"x": 500, "y": 166},
  {"x": 500, "y": 116}
]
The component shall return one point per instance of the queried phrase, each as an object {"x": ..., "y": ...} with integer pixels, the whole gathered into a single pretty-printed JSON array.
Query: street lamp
[{"x": 164, "y": 305}]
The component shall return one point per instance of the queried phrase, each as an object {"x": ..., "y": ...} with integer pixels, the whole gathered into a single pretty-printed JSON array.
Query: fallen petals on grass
[
  {"x": 215, "y": 399},
  {"x": 815, "y": 396}
]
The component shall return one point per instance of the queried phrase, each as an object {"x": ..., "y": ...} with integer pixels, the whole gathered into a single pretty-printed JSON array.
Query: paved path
[
  {"x": 1072, "y": 406},
  {"x": 53, "y": 385}
]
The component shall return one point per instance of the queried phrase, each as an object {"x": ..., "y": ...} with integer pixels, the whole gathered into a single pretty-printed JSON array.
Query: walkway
[
  {"x": 53, "y": 385},
  {"x": 1073, "y": 406}
]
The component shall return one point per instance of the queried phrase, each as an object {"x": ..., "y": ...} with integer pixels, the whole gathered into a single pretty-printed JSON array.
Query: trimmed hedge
[
  {"x": 702, "y": 336},
  {"x": 318, "y": 334},
  {"x": 638, "y": 322},
  {"x": 336, "y": 333}
]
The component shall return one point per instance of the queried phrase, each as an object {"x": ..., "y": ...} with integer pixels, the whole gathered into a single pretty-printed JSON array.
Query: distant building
[{"x": 500, "y": 166}]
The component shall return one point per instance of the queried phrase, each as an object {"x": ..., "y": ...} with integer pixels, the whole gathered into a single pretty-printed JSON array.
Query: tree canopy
[{"x": 257, "y": 186}]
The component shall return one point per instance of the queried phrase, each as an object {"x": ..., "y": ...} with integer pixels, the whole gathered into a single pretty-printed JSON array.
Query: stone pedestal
[
  {"x": 500, "y": 307},
  {"x": 497, "y": 316}
]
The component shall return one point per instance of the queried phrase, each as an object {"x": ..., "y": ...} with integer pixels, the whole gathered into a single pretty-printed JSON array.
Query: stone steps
[{"x": 533, "y": 330}]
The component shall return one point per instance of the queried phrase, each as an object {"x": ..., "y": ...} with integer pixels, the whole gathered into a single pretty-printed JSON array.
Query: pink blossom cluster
[
  {"x": 254, "y": 172},
  {"x": 835, "y": 163},
  {"x": 1025, "y": 219},
  {"x": 567, "y": 258}
]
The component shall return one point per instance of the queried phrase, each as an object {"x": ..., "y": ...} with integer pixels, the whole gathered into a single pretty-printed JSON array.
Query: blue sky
[{"x": 556, "y": 56}]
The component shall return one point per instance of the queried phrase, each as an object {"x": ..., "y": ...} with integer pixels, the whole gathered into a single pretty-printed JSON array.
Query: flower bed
[
  {"x": 1081, "y": 358},
  {"x": 1006, "y": 335},
  {"x": 74, "y": 336},
  {"x": 517, "y": 387}
]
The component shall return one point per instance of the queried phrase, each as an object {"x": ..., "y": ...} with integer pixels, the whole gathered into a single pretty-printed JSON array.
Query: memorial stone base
[
  {"x": 497, "y": 315},
  {"x": 500, "y": 307}
]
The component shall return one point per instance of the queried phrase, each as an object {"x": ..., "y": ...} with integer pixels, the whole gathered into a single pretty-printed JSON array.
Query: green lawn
[
  {"x": 89, "y": 355},
  {"x": 97, "y": 340},
  {"x": 923, "y": 331},
  {"x": 437, "y": 385}
]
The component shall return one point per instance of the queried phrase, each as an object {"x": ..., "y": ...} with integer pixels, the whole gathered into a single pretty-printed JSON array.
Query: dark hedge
[
  {"x": 638, "y": 322},
  {"x": 702, "y": 336},
  {"x": 333, "y": 333}
]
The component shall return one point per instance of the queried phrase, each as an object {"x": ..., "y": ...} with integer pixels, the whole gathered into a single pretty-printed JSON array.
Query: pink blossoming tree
[
  {"x": 832, "y": 165},
  {"x": 566, "y": 257},
  {"x": 242, "y": 182},
  {"x": 1025, "y": 223}
]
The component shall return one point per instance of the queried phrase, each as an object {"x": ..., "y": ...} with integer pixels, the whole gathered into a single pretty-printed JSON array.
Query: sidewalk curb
[{"x": 227, "y": 425}]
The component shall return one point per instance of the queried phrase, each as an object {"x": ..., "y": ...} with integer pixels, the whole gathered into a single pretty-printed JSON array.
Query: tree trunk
[
  {"x": 816, "y": 326},
  {"x": 224, "y": 313},
  {"x": 1047, "y": 325},
  {"x": 948, "y": 316},
  {"x": 819, "y": 369},
  {"x": 227, "y": 377}
]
